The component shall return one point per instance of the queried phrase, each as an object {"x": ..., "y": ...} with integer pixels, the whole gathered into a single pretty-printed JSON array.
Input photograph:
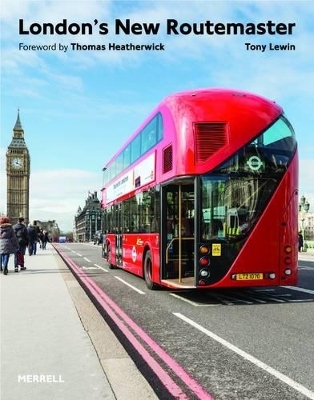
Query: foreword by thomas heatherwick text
[{"x": 141, "y": 47}]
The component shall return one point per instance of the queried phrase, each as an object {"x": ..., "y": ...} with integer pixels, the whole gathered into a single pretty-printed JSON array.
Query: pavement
[
  {"x": 306, "y": 256},
  {"x": 54, "y": 342}
]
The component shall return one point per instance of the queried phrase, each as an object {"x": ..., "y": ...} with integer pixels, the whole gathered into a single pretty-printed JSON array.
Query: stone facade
[{"x": 88, "y": 219}]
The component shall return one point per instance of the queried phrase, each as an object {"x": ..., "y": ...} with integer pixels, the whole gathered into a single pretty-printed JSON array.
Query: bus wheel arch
[{"x": 148, "y": 270}]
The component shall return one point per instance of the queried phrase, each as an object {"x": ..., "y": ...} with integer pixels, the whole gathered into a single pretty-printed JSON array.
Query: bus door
[{"x": 177, "y": 233}]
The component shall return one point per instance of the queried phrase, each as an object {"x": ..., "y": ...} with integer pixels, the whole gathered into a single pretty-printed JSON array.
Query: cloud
[{"x": 55, "y": 194}]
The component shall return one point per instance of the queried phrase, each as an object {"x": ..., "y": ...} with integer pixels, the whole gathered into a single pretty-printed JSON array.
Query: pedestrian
[
  {"x": 300, "y": 241},
  {"x": 22, "y": 239},
  {"x": 37, "y": 229},
  {"x": 40, "y": 238},
  {"x": 8, "y": 243},
  {"x": 44, "y": 240},
  {"x": 32, "y": 239}
]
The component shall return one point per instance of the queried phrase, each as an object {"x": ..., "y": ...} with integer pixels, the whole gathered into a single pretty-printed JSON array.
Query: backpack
[{"x": 21, "y": 236}]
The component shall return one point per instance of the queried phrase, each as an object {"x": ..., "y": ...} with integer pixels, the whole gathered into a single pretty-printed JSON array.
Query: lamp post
[
  {"x": 87, "y": 225},
  {"x": 92, "y": 226},
  {"x": 304, "y": 207},
  {"x": 98, "y": 226}
]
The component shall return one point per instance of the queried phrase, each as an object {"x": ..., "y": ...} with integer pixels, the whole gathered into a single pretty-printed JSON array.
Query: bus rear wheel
[{"x": 148, "y": 269}]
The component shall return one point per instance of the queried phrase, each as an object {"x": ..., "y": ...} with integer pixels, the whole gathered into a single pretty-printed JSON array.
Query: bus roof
[{"x": 175, "y": 100}]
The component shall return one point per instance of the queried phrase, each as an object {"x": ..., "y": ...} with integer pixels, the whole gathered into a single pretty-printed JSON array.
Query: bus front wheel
[{"x": 148, "y": 269}]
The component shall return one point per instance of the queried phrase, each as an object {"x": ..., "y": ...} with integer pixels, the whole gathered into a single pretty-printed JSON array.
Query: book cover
[{"x": 79, "y": 77}]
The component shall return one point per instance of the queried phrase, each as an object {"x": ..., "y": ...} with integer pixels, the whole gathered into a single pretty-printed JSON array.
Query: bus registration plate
[{"x": 251, "y": 276}]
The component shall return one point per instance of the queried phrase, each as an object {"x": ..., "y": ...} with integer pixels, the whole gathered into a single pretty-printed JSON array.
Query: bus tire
[{"x": 148, "y": 265}]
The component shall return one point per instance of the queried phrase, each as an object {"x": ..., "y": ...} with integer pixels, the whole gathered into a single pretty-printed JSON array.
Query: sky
[{"x": 78, "y": 107}]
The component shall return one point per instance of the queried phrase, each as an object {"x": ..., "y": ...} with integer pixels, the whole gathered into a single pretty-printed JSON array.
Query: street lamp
[
  {"x": 87, "y": 225},
  {"x": 98, "y": 221},
  {"x": 92, "y": 225}
]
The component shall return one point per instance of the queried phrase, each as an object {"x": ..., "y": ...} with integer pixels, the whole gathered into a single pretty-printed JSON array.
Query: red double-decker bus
[{"x": 205, "y": 194}]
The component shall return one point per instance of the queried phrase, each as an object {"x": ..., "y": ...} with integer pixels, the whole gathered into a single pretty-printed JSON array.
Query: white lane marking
[
  {"x": 193, "y": 303},
  {"x": 100, "y": 267},
  {"x": 96, "y": 265},
  {"x": 295, "y": 385},
  {"x": 75, "y": 252},
  {"x": 88, "y": 268},
  {"x": 299, "y": 289},
  {"x": 132, "y": 287}
]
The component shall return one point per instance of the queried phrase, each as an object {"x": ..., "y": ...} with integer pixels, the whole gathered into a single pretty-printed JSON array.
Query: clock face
[{"x": 17, "y": 162}]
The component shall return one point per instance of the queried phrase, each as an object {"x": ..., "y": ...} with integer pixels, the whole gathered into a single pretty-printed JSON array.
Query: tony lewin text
[{"x": 270, "y": 46}]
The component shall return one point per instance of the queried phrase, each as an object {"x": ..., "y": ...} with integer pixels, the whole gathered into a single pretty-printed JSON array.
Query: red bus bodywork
[{"x": 225, "y": 153}]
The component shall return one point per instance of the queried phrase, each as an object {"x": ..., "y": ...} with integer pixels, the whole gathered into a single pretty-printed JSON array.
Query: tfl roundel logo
[{"x": 255, "y": 163}]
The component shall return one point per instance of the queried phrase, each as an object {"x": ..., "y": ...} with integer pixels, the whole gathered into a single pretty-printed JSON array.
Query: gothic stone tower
[{"x": 18, "y": 174}]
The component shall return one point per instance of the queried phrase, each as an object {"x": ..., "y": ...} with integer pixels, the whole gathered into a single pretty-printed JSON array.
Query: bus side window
[
  {"x": 170, "y": 226},
  {"x": 155, "y": 224},
  {"x": 186, "y": 227}
]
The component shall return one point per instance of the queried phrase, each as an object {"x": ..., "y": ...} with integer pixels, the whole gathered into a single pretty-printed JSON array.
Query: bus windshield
[{"x": 234, "y": 195}]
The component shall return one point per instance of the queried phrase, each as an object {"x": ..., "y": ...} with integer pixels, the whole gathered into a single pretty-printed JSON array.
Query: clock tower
[{"x": 18, "y": 173}]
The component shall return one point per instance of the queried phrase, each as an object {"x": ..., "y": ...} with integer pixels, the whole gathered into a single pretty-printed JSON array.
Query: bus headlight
[
  {"x": 204, "y": 273},
  {"x": 288, "y": 271}
]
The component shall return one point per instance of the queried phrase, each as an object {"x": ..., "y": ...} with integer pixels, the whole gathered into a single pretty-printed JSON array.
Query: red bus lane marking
[{"x": 114, "y": 311}]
